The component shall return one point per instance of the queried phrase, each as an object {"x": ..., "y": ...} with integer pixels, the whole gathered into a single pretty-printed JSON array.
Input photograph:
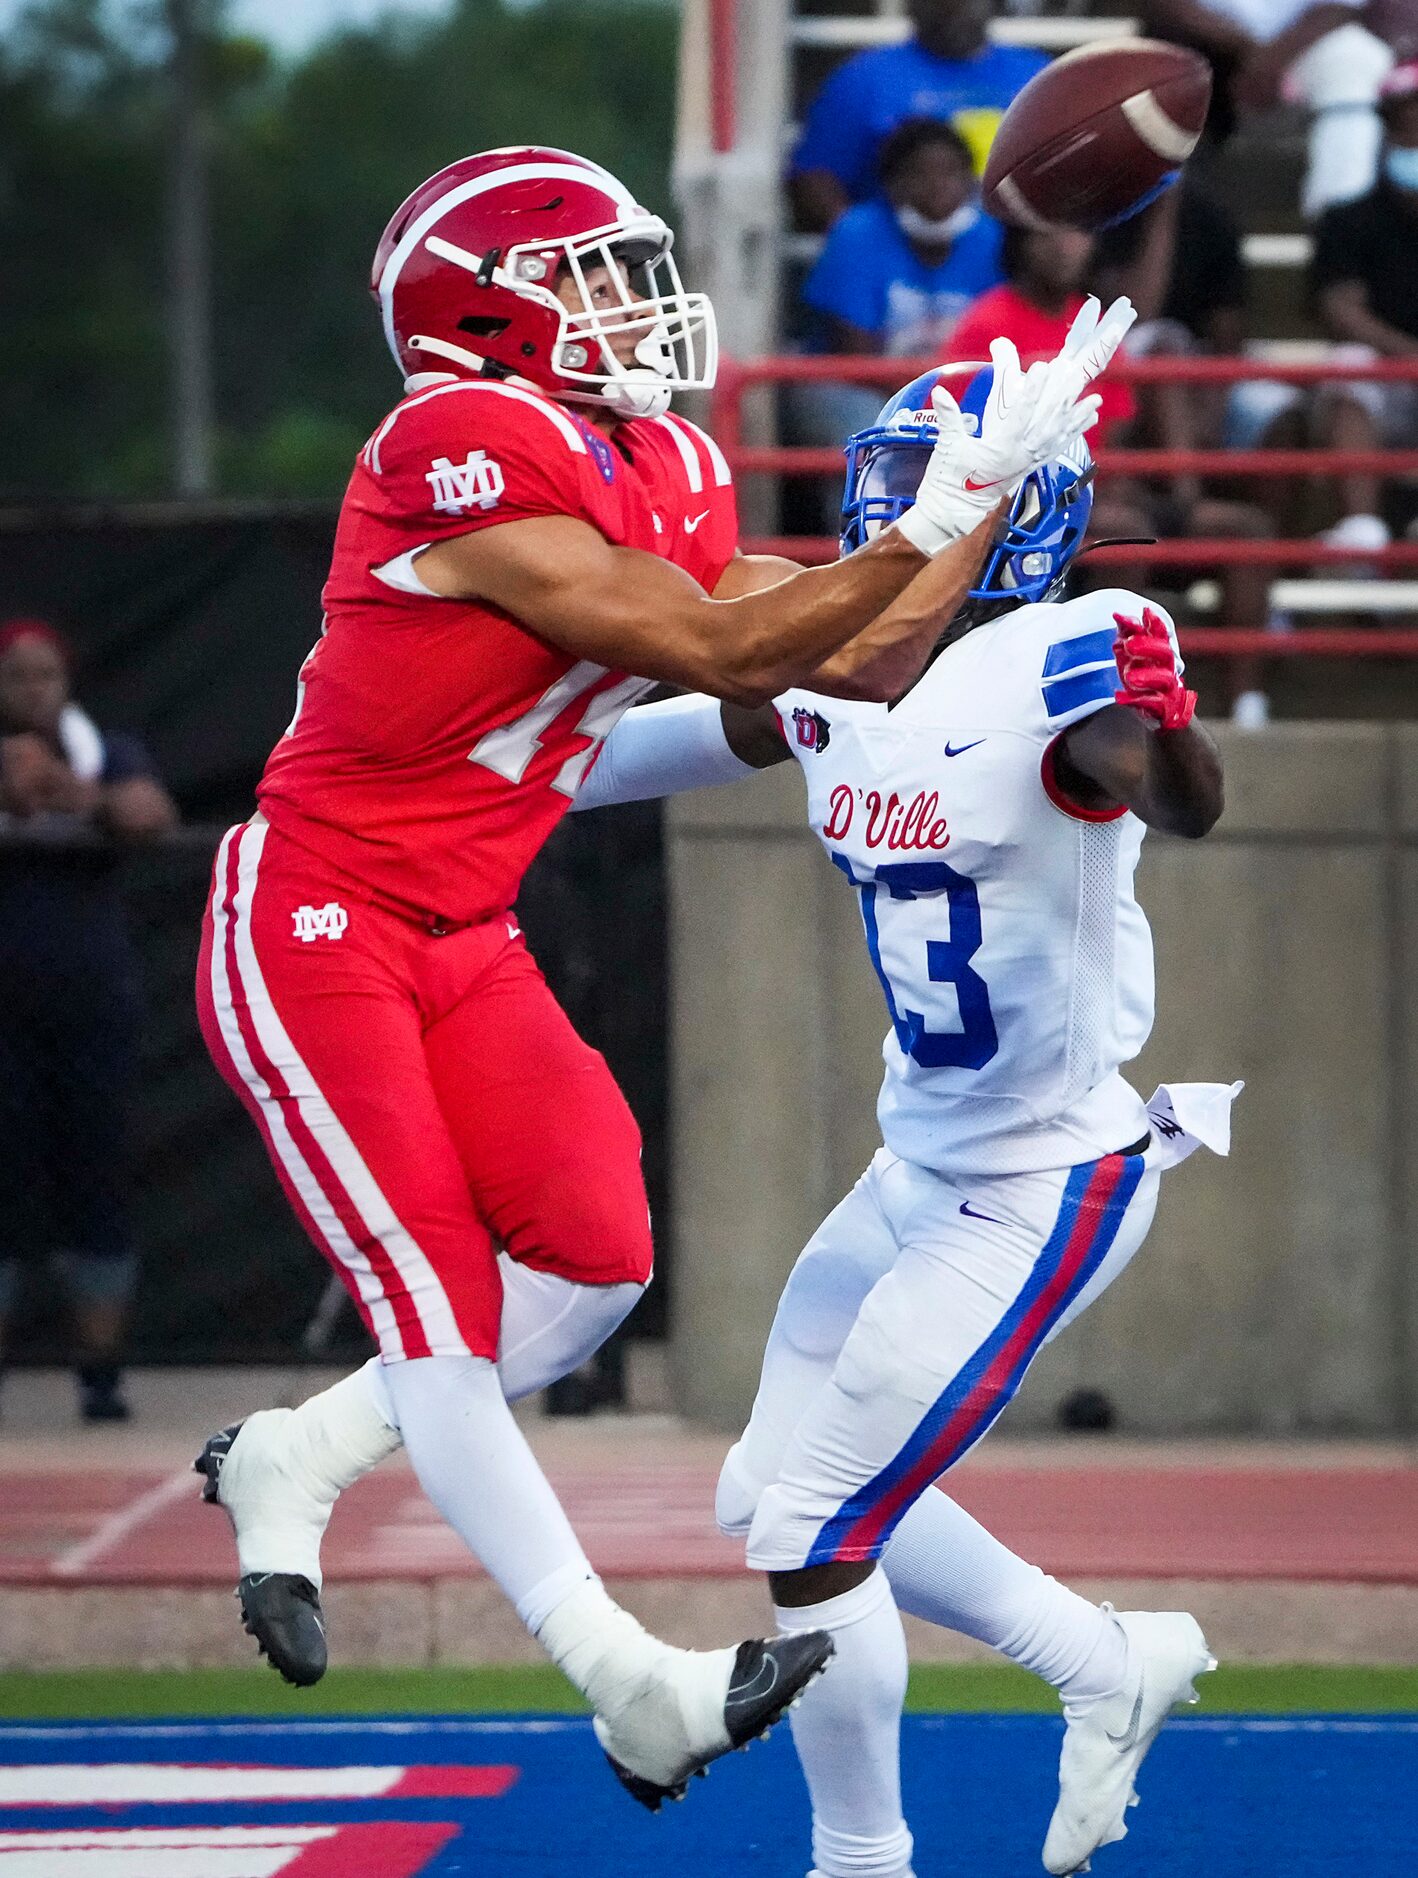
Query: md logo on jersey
[
  {"x": 320, "y": 922},
  {"x": 477, "y": 483},
  {"x": 813, "y": 730}
]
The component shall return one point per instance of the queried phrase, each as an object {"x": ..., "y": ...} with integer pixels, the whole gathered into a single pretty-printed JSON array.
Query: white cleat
[
  {"x": 1106, "y": 1739},
  {"x": 693, "y": 1706}
]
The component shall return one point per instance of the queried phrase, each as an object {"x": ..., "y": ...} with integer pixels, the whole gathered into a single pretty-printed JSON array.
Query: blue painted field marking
[{"x": 1223, "y": 1796}]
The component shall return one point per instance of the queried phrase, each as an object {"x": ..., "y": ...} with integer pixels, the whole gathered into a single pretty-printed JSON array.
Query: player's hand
[
  {"x": 1150, "y": 668},
  {"x": 1030, "y": 418}
]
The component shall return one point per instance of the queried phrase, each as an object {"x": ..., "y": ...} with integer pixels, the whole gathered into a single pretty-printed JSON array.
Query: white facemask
[{"x": 936, "y": 234}]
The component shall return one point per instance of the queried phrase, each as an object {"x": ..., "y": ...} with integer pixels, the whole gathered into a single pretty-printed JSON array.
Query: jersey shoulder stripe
[
  {"x": 485, "y": 388},
  {"x": 1065, "y": 695},
  {"x": 718, "y": 462},
  {"x": 690, "y": 440},
  {"x": 1068, "y": 655}
]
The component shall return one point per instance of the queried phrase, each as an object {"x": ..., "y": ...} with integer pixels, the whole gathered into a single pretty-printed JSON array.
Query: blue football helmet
[{"x": 1046, "y": 525}]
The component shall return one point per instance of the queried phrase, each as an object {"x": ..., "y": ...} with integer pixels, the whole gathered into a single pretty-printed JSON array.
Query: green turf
[{"x": 257, "y": 1691}]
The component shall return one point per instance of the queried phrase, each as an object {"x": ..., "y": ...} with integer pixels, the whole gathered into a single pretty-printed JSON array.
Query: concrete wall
[{"x": 1279, "y": 1289}]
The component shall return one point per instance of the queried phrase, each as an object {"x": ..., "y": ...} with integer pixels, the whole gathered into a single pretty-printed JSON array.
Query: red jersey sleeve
[{"x": 472, "y": 455}]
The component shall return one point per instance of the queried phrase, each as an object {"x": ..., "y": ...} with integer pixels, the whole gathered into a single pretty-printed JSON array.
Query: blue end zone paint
[{"x": 1243, "y": 1797}]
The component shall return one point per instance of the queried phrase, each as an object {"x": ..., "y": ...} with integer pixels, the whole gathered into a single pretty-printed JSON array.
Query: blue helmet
[{"x": 1046, "y": 524}]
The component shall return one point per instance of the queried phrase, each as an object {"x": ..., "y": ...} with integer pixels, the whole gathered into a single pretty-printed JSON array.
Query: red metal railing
[{"x": 736, "y": 377}]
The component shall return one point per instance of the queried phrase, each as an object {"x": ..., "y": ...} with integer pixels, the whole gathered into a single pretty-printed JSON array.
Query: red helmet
[{"x": 465, "y": 276}]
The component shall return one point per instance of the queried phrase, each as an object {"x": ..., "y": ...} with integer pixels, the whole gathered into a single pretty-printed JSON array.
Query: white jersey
[{"x": 1001, "y": 919}]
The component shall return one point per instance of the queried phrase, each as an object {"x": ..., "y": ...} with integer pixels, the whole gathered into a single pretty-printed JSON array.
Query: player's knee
[{"x": 785, "y": 1525}]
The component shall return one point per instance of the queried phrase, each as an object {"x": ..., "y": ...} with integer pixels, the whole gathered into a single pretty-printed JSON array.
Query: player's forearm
[
  {"x": 861, "y": 628},
  {"x": 1181, "y": 790},
  {"x": 883, "y": 662}
]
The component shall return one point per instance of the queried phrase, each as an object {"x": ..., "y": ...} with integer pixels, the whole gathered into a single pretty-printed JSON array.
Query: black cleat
[
  {"x": 768, "y": 1678},
  {"x": 209, "y": 1462},
  {"x": 281, "y": 1610}
]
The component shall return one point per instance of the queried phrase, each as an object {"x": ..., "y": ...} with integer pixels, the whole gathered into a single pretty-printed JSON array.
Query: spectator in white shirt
[{"x": 1325, "y": 56}]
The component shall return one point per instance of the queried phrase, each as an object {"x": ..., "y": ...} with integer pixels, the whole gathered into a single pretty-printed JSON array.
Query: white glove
[{"x": 1030, "y": 418}]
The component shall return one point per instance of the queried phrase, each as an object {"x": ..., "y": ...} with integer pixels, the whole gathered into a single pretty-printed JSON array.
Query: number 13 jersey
[
  {"x": 1000, "y": 917},
  {"x": 436, "y": 743}
]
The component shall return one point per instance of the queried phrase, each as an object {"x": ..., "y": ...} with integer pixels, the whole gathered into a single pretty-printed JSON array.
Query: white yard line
[{"x": 115, "y": 1529}]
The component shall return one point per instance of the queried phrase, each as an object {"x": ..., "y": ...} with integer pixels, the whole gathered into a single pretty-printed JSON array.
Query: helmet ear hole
[{"x": 482, "y": 326}]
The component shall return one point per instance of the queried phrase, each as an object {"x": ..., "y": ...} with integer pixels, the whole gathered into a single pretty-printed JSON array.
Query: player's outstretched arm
[
  {"x": 881, "y": 663},
  {"x": 633, "y": 611},
  {"x": 1145, "y": 752}
]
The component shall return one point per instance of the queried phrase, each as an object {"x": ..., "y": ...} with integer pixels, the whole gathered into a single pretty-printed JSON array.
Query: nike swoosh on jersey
[
  {"x": 1128, "y": 1738},
  {"x": 959, "y": 749},
  {"x": 691, "y": 525},
  {"x": 970, "y": 1213},
  {"x": 974, "y": 487}
]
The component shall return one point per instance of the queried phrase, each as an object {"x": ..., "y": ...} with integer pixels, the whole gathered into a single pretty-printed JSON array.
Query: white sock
[
  {"x": 945, "y": 1567},
  {"x": 474, "y": 1464},
  {"x": 303, "y": 1459},
  {"x": 340, "y": 1434},
  {"x": 847, "y": 1730}
]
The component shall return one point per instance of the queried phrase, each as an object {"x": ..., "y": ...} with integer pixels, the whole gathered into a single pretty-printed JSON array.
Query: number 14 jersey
[
  {"x": 1000, "y": 918},
  {"x": 436, "y": 743}
]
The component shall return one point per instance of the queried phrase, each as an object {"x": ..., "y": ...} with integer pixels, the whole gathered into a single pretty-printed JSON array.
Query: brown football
[{"x": 1097, "y": 134}]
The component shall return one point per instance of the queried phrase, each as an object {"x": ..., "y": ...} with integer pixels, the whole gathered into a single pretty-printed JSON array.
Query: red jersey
[
  {"x": 436, "y": 743},
  {"x": 1004, "y": 313}
]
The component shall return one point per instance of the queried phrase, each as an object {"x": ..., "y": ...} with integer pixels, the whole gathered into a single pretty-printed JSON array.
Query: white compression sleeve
[{"x": 662, "y": 750}]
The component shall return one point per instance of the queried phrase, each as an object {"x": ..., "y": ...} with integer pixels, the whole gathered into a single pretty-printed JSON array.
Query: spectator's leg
[
  {"x": 24, "y": 1219},
  {"x": 1350, "y": 418},
  {"x": 1339, "y": 79},
  {"x": 92, "y": 1150},
  {"x": 1170, "y": 415},
  {"x": 1245, "y": 595}
]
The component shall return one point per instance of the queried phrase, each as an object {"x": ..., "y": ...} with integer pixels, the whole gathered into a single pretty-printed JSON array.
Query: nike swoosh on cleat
[
  {"x": 970, "y": 1213},
  {"x": 759, "y": 1684},
  {"x": 1128, "y": 1738},
  {"x": 959, "y": 749}
]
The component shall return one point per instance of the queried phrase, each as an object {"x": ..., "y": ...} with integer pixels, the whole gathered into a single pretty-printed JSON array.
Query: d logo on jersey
[
  {"x": 476, "y": 484},
  {"x": 813, "y": 730},
  {"x": 320, "y": 922}
]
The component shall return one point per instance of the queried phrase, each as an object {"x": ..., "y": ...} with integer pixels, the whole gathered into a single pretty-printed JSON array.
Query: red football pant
[{"x": 424, "y": 1099}]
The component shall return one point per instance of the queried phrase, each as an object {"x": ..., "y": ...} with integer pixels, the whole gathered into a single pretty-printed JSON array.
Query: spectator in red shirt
[{"x": 1035, "y": 305}]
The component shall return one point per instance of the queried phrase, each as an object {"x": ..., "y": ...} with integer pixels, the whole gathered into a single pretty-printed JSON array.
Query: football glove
[
  {"x": 1030, "y": 418},
  {"x": 1151, "y": 671}
]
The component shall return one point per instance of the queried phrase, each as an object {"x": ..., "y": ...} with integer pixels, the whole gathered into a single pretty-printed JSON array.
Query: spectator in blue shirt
[
  {"x": 895, "y": 274},
  {"x": 948, "y": 71},
  {"x": 69, "y": 1013}
]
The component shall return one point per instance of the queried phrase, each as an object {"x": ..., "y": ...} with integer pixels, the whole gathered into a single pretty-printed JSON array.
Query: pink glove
[{"x": 1148, "y": 667}]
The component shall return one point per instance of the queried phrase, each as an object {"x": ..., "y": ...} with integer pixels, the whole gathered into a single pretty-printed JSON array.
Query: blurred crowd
[{"x": 885, "y": 172}]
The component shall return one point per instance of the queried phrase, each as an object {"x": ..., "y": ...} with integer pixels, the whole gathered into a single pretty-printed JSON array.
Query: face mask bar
[{"x": 676, "y": 346}]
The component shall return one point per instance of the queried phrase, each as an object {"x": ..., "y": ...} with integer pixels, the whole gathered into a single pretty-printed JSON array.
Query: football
[{"x": 1097, "y": 134}]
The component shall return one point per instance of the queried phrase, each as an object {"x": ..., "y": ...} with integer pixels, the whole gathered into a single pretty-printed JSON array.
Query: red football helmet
[{"x": 465, "y": 276}]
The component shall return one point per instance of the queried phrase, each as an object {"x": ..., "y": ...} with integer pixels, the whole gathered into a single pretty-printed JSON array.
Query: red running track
[{"x": 650, "y": 1516}]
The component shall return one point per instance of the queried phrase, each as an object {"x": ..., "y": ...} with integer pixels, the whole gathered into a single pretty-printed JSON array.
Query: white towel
[
  {"x": 83, "y": 745},
  {"x": 1186, "y": 1116}
]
